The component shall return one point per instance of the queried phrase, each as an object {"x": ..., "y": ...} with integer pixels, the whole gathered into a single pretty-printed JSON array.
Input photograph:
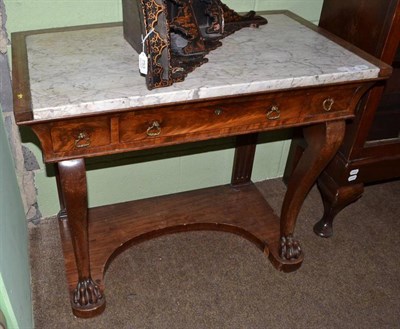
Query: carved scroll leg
[
  {"x": 335, "y": 198},
  {"x": 323, "y": 140},
  {"x": 87, "y": 299},
  {"x": 62, "y": 214}
]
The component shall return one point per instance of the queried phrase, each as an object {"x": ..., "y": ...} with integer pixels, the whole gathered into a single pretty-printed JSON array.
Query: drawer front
[
  {"x": 336, "y": 101},
  {"x": 78, "y": 136},
  {"x": 137, "y": 129},
  {"x": 180, "y": 120},
  {"x": 227, "y": 117}
]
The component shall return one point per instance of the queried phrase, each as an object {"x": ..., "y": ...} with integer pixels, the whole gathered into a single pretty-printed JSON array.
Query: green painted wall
[
  {"x": 142, "y": 179},
  {"x": 15, "y": 291}
]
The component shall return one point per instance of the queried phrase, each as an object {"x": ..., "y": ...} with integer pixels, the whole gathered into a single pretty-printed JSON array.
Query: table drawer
[
  {"x": 337, "y": 99},
  {"x": 184, "y": 120},
  {"x": 80, "y": 135},
  {"x": 230, "y": 116}
]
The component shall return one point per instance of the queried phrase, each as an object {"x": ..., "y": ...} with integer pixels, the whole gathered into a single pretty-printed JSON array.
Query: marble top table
[
  {"x": 86, "y": 71},
  {"x": 81, "y": 92}
]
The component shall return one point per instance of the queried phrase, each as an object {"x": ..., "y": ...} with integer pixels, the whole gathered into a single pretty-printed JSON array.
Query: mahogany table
[{"x": 80, "y": 91}]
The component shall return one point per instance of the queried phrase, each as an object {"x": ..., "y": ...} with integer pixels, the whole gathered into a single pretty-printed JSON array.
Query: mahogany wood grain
[
  {"x": 323, "y": 141},
  {"x": 86, "y": 298},
  {"x": 126, "y": 130},
  {"x": 244, "y": 159},
  {"x": 114, "y": 228}
]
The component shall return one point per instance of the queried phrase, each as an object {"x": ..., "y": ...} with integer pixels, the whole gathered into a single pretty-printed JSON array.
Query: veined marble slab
[{"x": 95, "y": 70}]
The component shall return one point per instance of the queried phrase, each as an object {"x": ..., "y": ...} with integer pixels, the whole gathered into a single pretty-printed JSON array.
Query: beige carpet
[{"x": 219, "y": 280}]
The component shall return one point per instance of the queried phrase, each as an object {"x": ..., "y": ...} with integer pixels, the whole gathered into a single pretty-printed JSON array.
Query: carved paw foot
[
  {"x": 290, "y": 248},
  {"x": 87, "y": 294}
]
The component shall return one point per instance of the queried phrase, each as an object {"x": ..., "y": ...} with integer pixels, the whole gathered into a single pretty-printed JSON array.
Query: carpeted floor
[{"x": 219, "y": 280}]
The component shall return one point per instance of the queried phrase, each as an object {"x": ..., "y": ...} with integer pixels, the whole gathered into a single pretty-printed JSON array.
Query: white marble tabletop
[{"x": 95, "y": 70}]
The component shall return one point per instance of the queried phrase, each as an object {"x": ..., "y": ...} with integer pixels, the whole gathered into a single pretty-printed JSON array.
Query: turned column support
[
  {"x": 86, "y": 299},
  {"x": 323, "y": 141},
  {"x": 244, "y": 159}
]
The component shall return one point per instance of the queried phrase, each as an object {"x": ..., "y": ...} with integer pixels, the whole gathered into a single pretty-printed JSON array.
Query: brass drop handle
[
  {"x": 154, "y": 129},
  {"x": 82, "y": 140},
  {"x": 274, "y": 113},
  {"x": 328, "y": 103}
]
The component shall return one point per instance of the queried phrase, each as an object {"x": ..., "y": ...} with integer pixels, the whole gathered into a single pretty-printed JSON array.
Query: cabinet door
[
  {"x": 364, "y": 23},
  {"x": 374, "y": 26},
  {"x": 386, "y": 124}
]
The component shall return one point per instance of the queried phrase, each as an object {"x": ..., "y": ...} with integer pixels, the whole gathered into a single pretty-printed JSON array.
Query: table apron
[{"x": 144, "y": 128}]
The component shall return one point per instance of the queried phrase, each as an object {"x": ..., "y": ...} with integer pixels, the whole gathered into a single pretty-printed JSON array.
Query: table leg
[
  {"x": 323, "y": 141},
  {"x": 62, "y": 214},
  {"x": 87, "y": 299},
  {"x": 335, "y": 198},
  {"x": 244, "y": 158}
]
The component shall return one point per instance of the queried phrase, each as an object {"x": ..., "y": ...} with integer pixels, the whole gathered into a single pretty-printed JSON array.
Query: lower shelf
[{"x": 112, "y": 229}]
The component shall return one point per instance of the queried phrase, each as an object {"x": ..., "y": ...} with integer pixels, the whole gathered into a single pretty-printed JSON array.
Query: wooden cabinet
[{"x": 371, "y": 148}]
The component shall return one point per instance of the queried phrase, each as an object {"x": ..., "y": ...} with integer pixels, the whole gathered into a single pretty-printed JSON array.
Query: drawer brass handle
[
  {"x": 274, "y": 113},
  {"x": 83, "y": 140},
  {"x": 328, "y": 103},
  {"x": 154, "y": 129}
]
